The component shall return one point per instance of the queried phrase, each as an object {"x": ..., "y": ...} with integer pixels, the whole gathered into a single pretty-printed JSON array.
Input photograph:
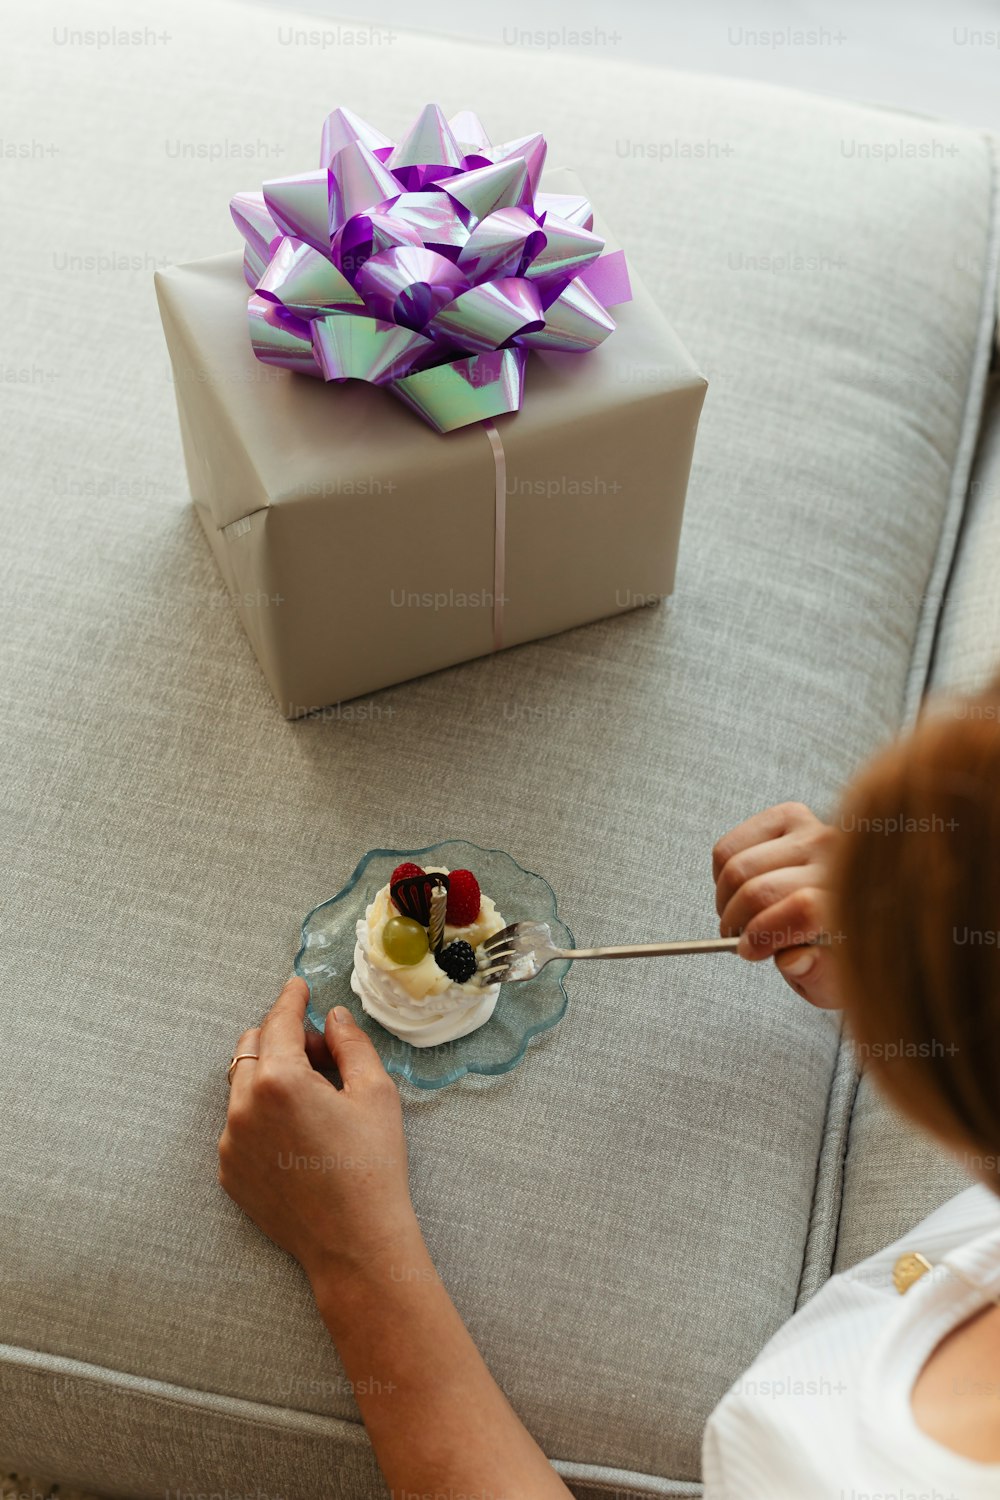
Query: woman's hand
[
  {"x": 771, "y": 891},
  {"x": 321, "y": 1170}
]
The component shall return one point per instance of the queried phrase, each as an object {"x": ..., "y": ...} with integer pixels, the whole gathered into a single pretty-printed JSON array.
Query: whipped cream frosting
[{"x": 419, "y": 1002}]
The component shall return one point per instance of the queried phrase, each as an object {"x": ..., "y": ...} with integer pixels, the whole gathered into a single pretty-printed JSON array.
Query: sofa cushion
[
  {"x": 893, "y": 1176},
  {"x": 968, "y": 648},
  {"x": 627, "y": 1217}
]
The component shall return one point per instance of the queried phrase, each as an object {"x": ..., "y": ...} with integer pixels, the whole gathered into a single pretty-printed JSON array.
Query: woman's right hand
[
  {"x": 771, "y": 891},
  {"x": 322, "y": 1171}
]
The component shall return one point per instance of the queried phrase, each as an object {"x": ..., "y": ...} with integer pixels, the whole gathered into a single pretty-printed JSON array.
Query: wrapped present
[{"x": 480, "y": 452}]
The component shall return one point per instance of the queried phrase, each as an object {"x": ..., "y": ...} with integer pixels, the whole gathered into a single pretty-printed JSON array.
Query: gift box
[{"x": 361, "y": 545}]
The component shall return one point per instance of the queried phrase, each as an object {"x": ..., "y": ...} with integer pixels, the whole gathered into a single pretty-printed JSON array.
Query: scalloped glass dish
[{"x": 326, "y": 958}]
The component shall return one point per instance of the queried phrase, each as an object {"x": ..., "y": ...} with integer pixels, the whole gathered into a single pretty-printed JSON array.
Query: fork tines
[
  {"x": 497, "y": 954},
  {"x": 496, "y": 975},
  {"x": 501, "y": 944}
]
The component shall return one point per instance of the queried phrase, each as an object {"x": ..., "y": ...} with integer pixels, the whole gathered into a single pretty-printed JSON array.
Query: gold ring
[{"x": 239, "y": 1058}]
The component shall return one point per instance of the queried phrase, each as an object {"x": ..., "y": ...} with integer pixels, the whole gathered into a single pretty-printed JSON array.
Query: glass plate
[{"x": 326, "y": 958}]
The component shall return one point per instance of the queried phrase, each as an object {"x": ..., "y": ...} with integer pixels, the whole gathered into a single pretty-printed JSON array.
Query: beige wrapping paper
[{"x": 358, "y": 544}]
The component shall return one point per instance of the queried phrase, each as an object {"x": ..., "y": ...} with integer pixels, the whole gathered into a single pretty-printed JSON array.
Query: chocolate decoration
[{"x": 412, "y": 895}]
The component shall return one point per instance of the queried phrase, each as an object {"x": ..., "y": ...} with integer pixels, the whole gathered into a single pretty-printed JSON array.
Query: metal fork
[{"x": 523, "y": 949}]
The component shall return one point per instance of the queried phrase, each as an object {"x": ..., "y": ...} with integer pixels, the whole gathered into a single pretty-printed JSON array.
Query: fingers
[
  {"x": 767, "y": 890},
  {"x": 810, "y": 972},
  {"x": 317, "y": 1051},
  {"x": 770, "y": 876},
  {"x": 242, "y": 1076},
  {"x": 772, "y": 823},
  {"x": 357, "y": 1061},
  {"x": 282, "y": 1033},
  {"x": 784, "y": 852},
  {"x": 793, "y": 922}
]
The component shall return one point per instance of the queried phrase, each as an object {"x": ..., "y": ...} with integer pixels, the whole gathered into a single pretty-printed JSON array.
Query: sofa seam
[
  {"x": 293, "y": 1420},
  {"x": 845, "y": 1152},
  {"x": 677, "y": 1489},
  {"x": 44, "y": 1362},
  {"x": 820, "y": 1244}
]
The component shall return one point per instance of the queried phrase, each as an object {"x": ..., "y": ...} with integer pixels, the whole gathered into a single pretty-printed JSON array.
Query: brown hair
[{"x": 916, "y": 923}]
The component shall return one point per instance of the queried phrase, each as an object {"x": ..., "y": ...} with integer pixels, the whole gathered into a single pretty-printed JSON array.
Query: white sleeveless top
[{"x": 824, "y": 1412}]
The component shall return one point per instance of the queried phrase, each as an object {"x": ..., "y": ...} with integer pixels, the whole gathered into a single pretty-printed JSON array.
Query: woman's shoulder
[
  {"x": 970, "y": 1214},
  {"x": 864, "y": 1293},
  {"x": 820, "y": 1361}
]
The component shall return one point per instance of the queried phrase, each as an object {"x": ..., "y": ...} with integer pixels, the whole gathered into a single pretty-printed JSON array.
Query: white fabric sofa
[{"x": 625, "y": 1218}]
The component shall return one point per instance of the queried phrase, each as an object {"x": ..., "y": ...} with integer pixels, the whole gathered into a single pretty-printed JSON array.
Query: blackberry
[{"x": 458, "y": 961}]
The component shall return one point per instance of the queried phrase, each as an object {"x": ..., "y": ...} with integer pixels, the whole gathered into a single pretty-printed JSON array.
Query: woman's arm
[{"x": 323, "y": 1172}]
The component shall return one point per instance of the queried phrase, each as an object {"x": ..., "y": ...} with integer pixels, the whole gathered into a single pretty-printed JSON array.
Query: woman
[{"x": 889, "y": 1395}]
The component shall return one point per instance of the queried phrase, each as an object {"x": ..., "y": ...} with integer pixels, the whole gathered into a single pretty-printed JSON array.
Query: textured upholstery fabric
[
  {"x": 968, "y": 650},
  {"x": 624, "y": 1219},
  {"x": 893, "y": 1176}
]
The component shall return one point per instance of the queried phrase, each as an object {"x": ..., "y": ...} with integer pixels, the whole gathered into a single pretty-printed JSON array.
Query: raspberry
[
  {"x": 463, "y": 898},
  {"x": 403, "y": 872},
  {"x": 458, "y": 960}
]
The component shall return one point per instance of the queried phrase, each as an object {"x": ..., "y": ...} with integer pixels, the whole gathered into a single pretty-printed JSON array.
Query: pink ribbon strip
[
  {"x": 608, "y": 278},
  {"x": 499, "y": 531}
]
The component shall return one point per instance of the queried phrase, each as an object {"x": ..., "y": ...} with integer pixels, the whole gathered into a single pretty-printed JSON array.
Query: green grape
[{"x": 404, "y": 940}]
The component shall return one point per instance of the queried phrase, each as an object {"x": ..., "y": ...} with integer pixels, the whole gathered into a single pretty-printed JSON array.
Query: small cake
[{"x": 415, "y": 958}]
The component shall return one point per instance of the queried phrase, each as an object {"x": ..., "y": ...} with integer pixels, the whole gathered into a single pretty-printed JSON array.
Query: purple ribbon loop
[
  {"x": 302, "y": 280},
  {"x": 428, "y": 266}
]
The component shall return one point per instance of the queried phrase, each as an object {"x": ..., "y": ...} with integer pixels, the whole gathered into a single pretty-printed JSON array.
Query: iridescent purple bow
[{"x": 430, "y": 267}]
